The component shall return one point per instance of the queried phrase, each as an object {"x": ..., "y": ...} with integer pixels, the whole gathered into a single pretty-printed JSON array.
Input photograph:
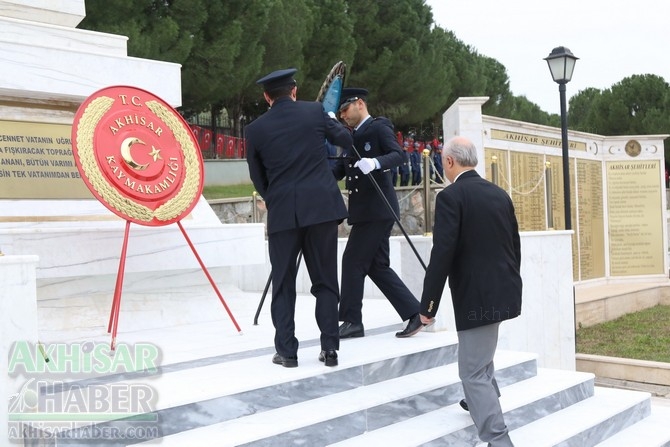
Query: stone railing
[{"x": 411, "y": 199}]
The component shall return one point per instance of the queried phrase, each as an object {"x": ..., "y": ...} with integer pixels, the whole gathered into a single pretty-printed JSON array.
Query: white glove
[
  {"x": 366, "y": 165},
  {"x": 332, "y": 115}
]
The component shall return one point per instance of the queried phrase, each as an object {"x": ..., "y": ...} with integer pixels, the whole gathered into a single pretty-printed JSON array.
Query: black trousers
[
  {"x": 319, "y": 249},
  {"x": 367, "y": 254}
]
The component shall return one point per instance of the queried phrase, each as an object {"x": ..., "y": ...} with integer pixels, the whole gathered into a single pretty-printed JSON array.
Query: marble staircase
[{"x": 218, "y": 388}]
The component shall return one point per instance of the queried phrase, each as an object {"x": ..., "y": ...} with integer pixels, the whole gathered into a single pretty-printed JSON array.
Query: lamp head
[{"x": 561, "y": 63}]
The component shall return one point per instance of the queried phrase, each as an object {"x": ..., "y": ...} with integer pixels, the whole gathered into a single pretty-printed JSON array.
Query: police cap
[
  {"x": 278, "y": 79},
  {"x": 351, "y": 94}
]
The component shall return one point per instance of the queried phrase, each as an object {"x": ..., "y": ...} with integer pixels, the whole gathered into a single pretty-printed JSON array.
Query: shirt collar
[
  {"x": 362, "y": 122},
  {"x": 461, "y": 173}
]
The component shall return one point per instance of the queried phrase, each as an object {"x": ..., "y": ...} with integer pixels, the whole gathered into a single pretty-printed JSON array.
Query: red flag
[
  {"x": 197, "y": 132},
  {"x": 243, "y": 148},
  {"x": 230, "y": 147},
  {"x": 220, "y": 139},
  {"x": 206, "y": 139}
]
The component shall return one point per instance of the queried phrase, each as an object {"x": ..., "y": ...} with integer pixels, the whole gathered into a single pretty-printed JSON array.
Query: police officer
[
  {"x": 371, "y": 220},
  {"x": 437, "y": 161},
  {"x": 404, "y": 167},
  {"x": 286, "y": 154},
  {"x": 415, "y": 162}
]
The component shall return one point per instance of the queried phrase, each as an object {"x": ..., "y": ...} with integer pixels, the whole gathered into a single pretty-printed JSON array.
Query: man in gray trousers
[{"x": 476, "y": 245}]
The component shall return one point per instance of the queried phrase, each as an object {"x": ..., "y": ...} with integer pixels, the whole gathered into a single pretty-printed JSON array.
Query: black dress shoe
[
  {"x": 328, "y": 357},
  {"x": 464, "y": 405},
  {"x": 414, "y": 325},
  {"x": 351, "y": 330},
  {"x": 286, "y": 362}
]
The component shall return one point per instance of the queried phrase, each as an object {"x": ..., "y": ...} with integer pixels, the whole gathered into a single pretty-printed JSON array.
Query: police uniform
[
  {"x": 289, "y": 169},
  {"x": 371, "y": 220},
  {"x": 415, "y": 161},
  {"x": 437, "y": 160},
  {"x": 404, "y": 167}
]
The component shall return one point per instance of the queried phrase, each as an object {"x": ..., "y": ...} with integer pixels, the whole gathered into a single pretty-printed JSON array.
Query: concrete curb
[{"x": 640, "y": 371}]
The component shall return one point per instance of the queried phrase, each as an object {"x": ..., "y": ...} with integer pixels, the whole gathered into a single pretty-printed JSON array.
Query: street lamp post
[{"x": 561, "y": 64}]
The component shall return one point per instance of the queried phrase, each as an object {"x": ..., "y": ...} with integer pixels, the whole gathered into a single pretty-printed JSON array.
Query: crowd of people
[
  {"x": 411, "y": 170},
  {"x": 476, "y": 244}
]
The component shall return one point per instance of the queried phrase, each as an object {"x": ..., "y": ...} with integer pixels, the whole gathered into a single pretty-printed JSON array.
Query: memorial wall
[
  {"x": 36, "y": 162},
  {"x": 618, "y": 206},
  {"x": 635, "y": 217},
  {"x": 535, "y": 184},
  {"x": 590, "y": 219}
]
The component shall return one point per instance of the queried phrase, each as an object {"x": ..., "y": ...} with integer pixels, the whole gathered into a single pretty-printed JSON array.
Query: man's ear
[{"x": 267, "y": 98}]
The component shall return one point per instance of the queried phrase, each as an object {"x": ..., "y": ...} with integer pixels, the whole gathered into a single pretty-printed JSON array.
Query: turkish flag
[
  {"x": 230, "y": 147},
  {"x": 197, "y": 132},
  {"x": 206, "y": 139},
  {"x": 220, "y": 139}
]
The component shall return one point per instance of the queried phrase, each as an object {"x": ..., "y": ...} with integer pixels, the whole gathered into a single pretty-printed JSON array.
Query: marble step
[
  {"x": 586, "y": 423},
  {"x": 652, "y": 431},
  {"x": 549, "y": 391},
  {"x": 335, "y": 416},
  {"x": 192, "y": 395},
  {"x": 361, "y": 362}
]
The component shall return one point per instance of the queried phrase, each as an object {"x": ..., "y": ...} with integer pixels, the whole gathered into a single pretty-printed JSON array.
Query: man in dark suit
[
  {"x": 371, "y": 217},
  {"x": 476, "y": 245},
  {"x": 287, "y": 157}
]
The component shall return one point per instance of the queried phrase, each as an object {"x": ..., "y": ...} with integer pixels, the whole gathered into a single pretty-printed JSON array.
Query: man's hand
[
  {"x": 332, "y": 115},
  {"x": 366, "y": 165}
]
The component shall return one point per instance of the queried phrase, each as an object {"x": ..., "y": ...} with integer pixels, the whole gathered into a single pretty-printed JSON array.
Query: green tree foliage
[
  {"x": 228, "y": 58},
  {"x": 331, "y": 41},
  {"x": 160, "y": 30},
  {"x": 413, "y": 69},
  {"x": 637, "y": 105},
  {"x": 442, "y": 73},
  {"x": 282, "y": 43},
  {"x": 644, "y": 98},
  {"x": 581, "y": 114},
  {"x": 521, "y": 109},
  {"x": 401, "y": 58}
]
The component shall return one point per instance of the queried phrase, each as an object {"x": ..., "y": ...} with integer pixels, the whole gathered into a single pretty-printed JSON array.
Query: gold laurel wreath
[
  {"x": 125, "y": 205},
  {"x": 339, "y": 69},
  {"x": 190, "y": 187}
]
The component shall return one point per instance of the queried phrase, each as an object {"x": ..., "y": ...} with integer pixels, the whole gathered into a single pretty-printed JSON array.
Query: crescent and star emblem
[
  {"x": 127, "y": 156},
  {"x": 137, "y": 155}
]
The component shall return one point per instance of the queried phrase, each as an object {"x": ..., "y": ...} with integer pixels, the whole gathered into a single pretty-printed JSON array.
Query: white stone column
[{"x": 18, "y": 321}]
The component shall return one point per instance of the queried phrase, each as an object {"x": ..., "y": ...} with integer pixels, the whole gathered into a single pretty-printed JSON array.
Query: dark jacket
[
  {"x": 476, "y": 245},
  {"x": 373, "y": 139},
  {"x": 286, "y": 153}
]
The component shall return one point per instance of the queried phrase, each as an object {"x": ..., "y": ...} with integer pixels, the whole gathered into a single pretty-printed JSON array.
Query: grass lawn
[
  {"x": 643, "y": 335},
  {"x": 227, "y": 192},
  {"x": 234, "y": 191}
]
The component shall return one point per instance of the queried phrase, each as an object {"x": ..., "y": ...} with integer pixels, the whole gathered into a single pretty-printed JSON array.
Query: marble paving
[
  {"x": 216, "y": 386},
  {"x": 215, "y": 374}
]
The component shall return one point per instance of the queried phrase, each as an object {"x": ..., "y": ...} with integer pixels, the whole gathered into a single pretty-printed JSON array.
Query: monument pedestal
[
  {"x": 51, "y": 68},
  {"x": 62, "y": 246},
  {"x": 18, "y": 321},
  {"x": 78, "y": 260}
]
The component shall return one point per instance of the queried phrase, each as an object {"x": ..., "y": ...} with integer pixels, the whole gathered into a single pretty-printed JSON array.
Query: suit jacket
[
  {"x": 287, "y": 158},
  {"x": 476, "y": 245},
  {"x": 373, "y": 139}
]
